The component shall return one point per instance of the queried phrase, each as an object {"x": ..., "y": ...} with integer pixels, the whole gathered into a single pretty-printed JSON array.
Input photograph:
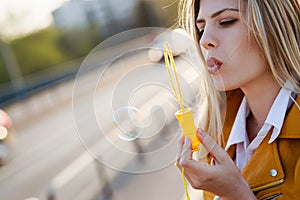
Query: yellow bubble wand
[{"x": 184, "y": 115}]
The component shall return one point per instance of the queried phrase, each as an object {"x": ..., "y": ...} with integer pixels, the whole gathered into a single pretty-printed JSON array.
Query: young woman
[{"x": 251, "y": 51}]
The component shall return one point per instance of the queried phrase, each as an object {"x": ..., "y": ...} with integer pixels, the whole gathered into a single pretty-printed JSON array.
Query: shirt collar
[{"x": 275, "y": 117}]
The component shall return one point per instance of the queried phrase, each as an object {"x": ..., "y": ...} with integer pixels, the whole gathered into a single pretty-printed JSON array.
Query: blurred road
[{"x": 47, "y": 140}]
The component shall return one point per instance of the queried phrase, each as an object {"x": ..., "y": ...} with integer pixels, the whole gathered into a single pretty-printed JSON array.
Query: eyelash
[
  {"x": 227, "y": 22},
  {"x": 223, "y": 24}
]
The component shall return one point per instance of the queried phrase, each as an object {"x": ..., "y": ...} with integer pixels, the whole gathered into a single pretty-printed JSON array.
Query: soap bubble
[
  {"x": 129, "y": 121},
  {"x": 122, "y": 93}
]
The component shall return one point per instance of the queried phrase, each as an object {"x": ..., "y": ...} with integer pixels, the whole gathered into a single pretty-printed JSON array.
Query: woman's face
[{"x": 233, "y": 59}]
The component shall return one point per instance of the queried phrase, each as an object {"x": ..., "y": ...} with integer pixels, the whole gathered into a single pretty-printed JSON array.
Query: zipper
[
  {"x": 273, "y": 197},
  {"x": 267, "y": 186}
]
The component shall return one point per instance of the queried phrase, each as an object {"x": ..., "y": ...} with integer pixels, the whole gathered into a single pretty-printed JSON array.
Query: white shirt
[{"x": 275, "y": 118}]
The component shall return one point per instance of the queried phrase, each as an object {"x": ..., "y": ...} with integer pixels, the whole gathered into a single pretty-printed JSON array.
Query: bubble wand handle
[
  {"x": 186, "y": 120},
  {"x": 185, "y": 115}
]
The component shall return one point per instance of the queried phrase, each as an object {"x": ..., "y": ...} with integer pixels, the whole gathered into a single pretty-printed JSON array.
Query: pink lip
[{"x": 213, "y": 65}]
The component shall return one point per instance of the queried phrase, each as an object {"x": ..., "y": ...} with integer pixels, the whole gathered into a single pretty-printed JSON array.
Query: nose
[{"x": 208, "y": 40}]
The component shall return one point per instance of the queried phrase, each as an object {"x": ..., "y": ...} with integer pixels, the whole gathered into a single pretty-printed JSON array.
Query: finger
[
  {"x": 179, "y": 150},
  {"x": 197, "y": 172},
  {"x": 186, "y": 154},
  {"x": 212, "y": 147},
  {"x": 187, "y": 148},
  {"x": 180, "y": 146}
]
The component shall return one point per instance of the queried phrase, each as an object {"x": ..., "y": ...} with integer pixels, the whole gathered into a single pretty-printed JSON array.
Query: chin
[
  {"x": 223, "y": 86},
  {"x": 219, "y": 83}
]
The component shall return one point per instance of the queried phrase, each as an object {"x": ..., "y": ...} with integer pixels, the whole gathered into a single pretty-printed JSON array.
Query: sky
[{"x": 19, "y": 17}]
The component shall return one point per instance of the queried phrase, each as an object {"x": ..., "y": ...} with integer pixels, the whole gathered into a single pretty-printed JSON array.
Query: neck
[{"x": 260, "y": 97}]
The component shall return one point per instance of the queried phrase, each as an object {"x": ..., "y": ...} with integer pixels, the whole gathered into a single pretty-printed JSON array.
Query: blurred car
[{"x": 5, "y": 136}]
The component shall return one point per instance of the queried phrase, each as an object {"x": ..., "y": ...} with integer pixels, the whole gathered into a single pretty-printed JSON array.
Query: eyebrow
[{"x": 217, "y": 14}]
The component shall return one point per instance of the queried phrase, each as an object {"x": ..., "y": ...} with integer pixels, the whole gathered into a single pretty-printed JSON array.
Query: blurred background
[{"x": 43, "y": 43}]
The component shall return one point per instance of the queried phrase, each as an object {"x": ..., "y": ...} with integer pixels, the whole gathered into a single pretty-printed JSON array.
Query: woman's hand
[{"x": 221, "y": 177}]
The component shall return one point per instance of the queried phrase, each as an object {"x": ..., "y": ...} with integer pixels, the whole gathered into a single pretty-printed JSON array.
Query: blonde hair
[{"x": 275, "y": 26}]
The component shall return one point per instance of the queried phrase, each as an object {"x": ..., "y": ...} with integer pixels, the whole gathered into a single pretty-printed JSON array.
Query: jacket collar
[
  {"x": 291, "y": 126},
  {"x": 261, "y": 177}
]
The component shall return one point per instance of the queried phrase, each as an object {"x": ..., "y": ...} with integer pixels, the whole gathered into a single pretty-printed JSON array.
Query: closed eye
[{"x": 227, "y": 23}]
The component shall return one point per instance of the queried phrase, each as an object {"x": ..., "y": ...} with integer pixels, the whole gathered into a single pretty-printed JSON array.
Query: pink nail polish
[{"x": 201, "y": 133}]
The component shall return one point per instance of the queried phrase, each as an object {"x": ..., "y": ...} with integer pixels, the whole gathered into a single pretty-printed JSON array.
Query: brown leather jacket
[{"x": 273, "y": 172}]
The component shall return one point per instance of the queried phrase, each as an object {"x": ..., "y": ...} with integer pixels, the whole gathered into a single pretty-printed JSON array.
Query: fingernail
[
  {"x": 201, "y": 133},
  {"x": 187, "y": 140}
]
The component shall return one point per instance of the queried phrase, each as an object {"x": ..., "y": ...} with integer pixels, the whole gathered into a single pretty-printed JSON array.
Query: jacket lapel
[
  {"x": 264, "y": 169},
  {"x": 291, "y": 126}
]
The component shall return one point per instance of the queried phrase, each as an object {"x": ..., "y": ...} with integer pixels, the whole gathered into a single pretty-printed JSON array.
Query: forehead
[{"x": 207, "y": 7}]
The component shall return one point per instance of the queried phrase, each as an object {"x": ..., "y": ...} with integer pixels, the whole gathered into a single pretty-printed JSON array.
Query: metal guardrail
[
  {"x": 56, "y": 74},
  {"x": 38, "y": 82}
]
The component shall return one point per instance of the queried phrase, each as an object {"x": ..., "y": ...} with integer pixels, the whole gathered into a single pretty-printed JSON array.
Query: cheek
[{"x": 246, "y": 59}]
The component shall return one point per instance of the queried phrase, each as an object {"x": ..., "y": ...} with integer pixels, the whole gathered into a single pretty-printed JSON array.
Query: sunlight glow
[{"x": 18, "y": 17}]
